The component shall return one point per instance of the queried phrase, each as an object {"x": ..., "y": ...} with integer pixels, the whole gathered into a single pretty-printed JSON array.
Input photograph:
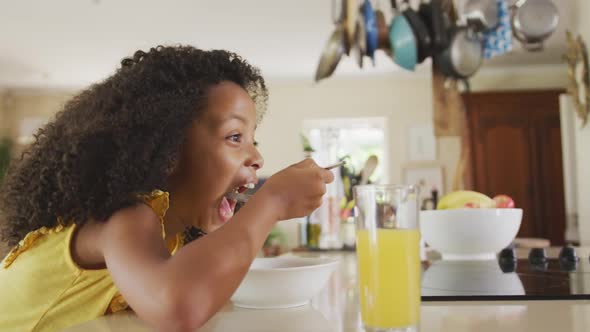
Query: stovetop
[{"x": 536, "y": 278}]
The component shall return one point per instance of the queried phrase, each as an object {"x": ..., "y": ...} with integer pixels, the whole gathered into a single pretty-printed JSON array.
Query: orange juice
[{"x": 389, "y": 277}]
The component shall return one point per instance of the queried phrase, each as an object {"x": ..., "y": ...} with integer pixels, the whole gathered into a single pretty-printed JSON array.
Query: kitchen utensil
[
  {"x": 481, "y": 14},
  {"x": 371, "y": 29},
  {"x": 283, "y": 282},
  {"x": 465, "y": 234},
  {"x": 421, "y": 33},
  {"x": 338, "y": 164},
  {"x": 338, "y": 11},
  {"x": 359, "y": 48},
  {"x": 533, "y": 22},
  {"x": 243, "y": 197},
  {"x": 403, "y": 42},
  {"x": 348, "y": 175},
  {"x": 351, "y": 19},
  {"x": 332, "y": 53},
  {"x": 464, "y": 55},
  {"x": 383, "y": 41},
  {"x": 367, "y": 171},
  {"x": 433, "y": 16}
]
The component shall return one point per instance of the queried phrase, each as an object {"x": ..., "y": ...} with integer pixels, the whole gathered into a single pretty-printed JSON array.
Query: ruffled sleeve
[
  {"x": 28, "y": 242},
  {"x": 159, "y": 201}
]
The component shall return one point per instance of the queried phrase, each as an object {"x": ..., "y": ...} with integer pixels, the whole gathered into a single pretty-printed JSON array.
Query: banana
[{"x": 465, "y": 199}]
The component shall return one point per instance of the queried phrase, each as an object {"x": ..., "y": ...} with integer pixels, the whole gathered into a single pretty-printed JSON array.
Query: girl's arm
[{"x": 180, "y": 293}]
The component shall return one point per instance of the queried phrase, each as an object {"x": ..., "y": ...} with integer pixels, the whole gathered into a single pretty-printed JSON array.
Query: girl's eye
[{"x": 237, "y": 138}]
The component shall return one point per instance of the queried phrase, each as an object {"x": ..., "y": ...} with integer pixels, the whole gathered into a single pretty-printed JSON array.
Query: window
[{"x": 357, "y": 138}]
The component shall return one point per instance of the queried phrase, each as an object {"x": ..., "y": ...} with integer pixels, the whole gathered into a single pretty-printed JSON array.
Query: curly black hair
[{"x": 118, "y": 138}]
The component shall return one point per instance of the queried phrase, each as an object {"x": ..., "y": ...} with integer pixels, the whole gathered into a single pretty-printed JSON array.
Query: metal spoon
[{"x": 243, "y": 198}]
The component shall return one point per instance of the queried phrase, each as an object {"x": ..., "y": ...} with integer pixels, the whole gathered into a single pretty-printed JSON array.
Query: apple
[{"x": 504, "y": 202}]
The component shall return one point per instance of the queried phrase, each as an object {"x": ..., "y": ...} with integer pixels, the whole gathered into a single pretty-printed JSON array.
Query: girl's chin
[{"x": 223, "y": 211}]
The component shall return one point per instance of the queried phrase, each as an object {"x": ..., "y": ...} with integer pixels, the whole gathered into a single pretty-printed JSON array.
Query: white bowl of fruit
[{"x": 468, "y": 225}]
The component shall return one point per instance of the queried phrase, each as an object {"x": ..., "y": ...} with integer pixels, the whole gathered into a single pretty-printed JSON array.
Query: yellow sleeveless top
[{"x": 42, "y": 288}]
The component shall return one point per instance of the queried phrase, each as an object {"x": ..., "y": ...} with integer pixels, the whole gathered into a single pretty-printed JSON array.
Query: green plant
[
  {"x": 306, "y": 144},
  {"x": 5, "y": 155},
  {"x": 275, "y": 237}
]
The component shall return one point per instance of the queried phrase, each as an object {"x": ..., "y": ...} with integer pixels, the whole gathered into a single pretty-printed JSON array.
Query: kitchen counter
[{"x": 335, "y": 309}]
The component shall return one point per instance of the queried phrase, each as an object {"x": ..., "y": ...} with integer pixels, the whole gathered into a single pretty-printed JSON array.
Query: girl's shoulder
[{"x": 157, "y": 200}]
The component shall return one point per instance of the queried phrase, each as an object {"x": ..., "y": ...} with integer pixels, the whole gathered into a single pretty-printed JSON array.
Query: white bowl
[
  {"x": 470, "y": 233},
  {"x": 283, "y": 282}
]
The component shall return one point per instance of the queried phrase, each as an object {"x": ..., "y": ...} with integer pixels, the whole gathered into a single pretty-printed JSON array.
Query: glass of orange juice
[{"x": 388, "y": 254}]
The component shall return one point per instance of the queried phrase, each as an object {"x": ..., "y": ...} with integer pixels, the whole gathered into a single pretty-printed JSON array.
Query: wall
[
  {"x": 583, "y": 139},
  {"x": 3, "y": 120},
  {"x": 17, "y": 105}
]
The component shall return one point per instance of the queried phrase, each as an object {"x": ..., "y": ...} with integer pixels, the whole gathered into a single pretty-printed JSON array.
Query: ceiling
[{"x": 71, "y": 43}]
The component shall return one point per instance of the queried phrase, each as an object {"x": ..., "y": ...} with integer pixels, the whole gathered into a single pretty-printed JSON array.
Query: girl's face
[{"x": 219, "y": 156}]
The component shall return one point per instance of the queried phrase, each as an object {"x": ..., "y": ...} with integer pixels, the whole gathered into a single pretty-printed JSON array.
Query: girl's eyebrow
[{"x": 236, "y": 116}]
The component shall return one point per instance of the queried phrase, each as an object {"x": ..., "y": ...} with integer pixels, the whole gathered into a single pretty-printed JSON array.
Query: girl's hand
[{"x": 297, "y": 190}]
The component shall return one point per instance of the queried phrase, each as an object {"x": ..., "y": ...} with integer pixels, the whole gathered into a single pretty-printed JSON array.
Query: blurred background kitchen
[{"x": 515, "y": 128}]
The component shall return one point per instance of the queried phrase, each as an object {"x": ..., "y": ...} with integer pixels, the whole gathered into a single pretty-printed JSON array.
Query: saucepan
[
  {"x": 464, "y": 54},
  {"x": 481, "y": 15},
  {"x": 435, "y": 19},
  {"x": 403, "y": 41},
  {"x": 533, "y": 22},
  {"x": 359, "y": 48},
  {"x": 370, "y": 29},
  {"x": 421, "y": 32},
  {"x": 383, "y": 42}
]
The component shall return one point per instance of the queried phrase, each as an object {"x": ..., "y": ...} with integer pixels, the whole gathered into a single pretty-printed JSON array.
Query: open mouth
[{"x": 228, "y": 205}]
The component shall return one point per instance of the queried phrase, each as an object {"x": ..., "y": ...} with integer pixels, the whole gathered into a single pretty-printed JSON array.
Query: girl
[{"x": 102, "y": 207}]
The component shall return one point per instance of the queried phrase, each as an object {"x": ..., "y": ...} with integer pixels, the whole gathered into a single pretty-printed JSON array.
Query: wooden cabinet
[{"x": 516, "y": 150}]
